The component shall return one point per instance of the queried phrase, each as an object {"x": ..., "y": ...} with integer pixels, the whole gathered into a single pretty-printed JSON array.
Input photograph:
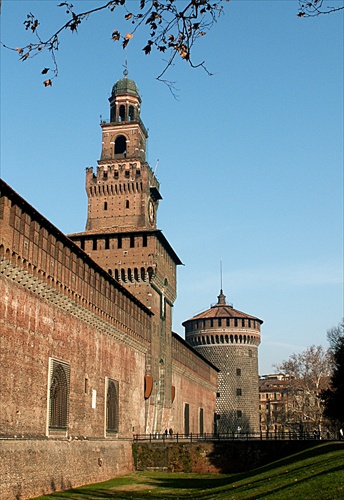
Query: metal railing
[{"x": 230, "y": 436}]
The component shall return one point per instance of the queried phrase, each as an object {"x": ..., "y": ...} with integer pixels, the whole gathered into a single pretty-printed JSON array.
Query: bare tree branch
[
  {"x": 314, "y": 8},
  {"x": 172, "y": 26}
]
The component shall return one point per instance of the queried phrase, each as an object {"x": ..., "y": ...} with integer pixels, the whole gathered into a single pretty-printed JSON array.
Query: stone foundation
[{"x": 32, "y": 468}]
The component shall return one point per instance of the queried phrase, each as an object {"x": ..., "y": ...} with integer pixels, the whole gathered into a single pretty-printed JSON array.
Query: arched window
[
  {"x": 120, "y": 145},
  {"x": 59, "y": 395},
  {"x": 116, "y": 274},
  {"x": 122, "y": 113},
  {"x": 150, "y": 273},
  {"x": 113, "y": 113},
  {"x": 131, "y": 113},
  {"x": 112, "y": 406}
]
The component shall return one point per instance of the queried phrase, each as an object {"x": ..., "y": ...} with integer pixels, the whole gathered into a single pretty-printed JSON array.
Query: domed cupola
[
  {"x": 125, "y": 101},
  {"x": 125, "y": 86}
]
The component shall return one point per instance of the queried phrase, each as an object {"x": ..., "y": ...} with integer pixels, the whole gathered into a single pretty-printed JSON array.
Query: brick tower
[
  {"x": 229, "y": 339},
  {"x": 122, "y": 237}
]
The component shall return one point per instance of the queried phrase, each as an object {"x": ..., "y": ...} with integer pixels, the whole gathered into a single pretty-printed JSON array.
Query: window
[
  {"x": 113, "y": 113},
  {"x": 105, "y": 175},
  {"x": 201, "y": 421},
  {"x": 227, "y": 322},
  {"x": 239, "y": 413},
  {"x": 105, "y": 205},
  {"x": 119, "y": 242},
  {"x": 220, "y": 322},
  {"x": 238, "y": 371},
  {"x": 239, "y": 392},
  {"x": 122, "y": 113},
  {"x": 94, "y": 247},
  {"x": 132, "y": 241},
  {"x": 58, "y": 395},
  {"x": 126, "y": 203},
  {"x": 144, "y": 240},
  {"x": 107, "y": 243},
  {"x": 116, "y": 174},
  {"x": 131, "y": 113},
  {"x": 242, "y": 322},
  {"x": 186, "y": 419},
  {"x": 112, "y": 406},
  {"x": 235, "y": 322},
  {"x": 120, "y": 145}
]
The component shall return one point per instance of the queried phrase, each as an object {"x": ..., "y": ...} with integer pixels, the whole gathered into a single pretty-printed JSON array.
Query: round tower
[{"x": 229, "y": 339}]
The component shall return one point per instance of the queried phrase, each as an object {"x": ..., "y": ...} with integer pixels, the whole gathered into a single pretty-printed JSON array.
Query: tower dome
[
  {"x": 125, "y": 86},
  {"x": 229, "y": 339}
]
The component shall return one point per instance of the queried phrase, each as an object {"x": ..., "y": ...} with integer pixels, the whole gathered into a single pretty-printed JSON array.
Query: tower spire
[
  {"x": 221, "y": 276},
  {"x": 221, "y": 299}
]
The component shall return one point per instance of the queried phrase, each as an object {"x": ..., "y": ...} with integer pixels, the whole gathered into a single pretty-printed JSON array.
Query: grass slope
[{"x": 316, "y": 474}]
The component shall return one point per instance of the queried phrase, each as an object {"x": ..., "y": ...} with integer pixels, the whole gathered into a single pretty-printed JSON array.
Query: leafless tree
[{"x": 307, "y": 374}]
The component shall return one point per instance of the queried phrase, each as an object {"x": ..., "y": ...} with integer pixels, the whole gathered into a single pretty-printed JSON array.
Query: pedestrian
[{"x": 170, "y": 432}]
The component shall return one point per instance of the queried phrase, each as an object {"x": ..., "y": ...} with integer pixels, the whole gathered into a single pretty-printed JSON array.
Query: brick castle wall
[{"x": 58, "y": 304}]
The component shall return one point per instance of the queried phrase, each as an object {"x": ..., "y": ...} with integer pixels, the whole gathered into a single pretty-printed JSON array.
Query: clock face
[{"x": 151, "y": 212}]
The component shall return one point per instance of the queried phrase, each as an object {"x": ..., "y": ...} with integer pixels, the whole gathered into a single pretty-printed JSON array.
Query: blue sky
[{"x": 250, "y": 159}]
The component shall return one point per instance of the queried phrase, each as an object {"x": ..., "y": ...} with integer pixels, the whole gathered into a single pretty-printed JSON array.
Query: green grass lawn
[{"x": 314, "y": 474}]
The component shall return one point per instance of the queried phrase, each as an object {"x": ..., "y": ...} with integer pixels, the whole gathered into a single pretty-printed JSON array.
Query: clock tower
[
  {"x": 121, "y": 235},
  {"x": 125, "y": 192}
]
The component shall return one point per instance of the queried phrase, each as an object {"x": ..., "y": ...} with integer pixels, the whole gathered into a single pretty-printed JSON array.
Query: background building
[
  {"x": 273, "y": 403},
  {"x": 229, "y": 339}
]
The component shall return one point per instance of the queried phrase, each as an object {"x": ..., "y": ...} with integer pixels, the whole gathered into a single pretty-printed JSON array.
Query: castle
[{"x": 88, "y": 357}]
